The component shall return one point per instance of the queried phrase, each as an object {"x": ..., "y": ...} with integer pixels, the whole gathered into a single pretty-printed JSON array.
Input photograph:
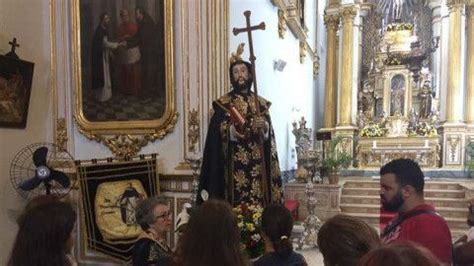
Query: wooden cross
[
  {"x": 12, "y": 53},
  {"x": 249, "y": 29}
]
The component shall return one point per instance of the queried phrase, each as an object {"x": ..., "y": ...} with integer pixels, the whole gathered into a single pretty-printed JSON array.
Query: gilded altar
[
  {"x": 375, "y": 152},
  {"x": 398, "y": 113}
]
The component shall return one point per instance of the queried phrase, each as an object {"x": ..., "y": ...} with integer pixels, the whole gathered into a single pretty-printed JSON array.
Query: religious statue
[
  {"x": 367, "y": 99},
  {"x": 397, "y": 95},
  {"x": 232, "y": 159},
  {"x": 426, "y": 95}
]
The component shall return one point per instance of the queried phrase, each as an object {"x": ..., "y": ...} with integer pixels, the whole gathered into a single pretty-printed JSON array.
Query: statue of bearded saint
[{"x": 426, "y": 97}]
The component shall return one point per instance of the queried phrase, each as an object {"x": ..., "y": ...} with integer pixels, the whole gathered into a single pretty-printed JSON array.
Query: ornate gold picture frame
[{"x": 124, "y": 72}]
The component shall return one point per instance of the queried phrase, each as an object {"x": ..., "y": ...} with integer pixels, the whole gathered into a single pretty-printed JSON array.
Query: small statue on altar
[
  {"x": 426, "y": 95},
  {"x": 397, "y": 95}
]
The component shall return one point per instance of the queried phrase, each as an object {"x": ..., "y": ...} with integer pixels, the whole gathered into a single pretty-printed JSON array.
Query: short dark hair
[
  {"x": 144, "y": 211},
  {"x": 211, "y": 237},
  {"x": 277, "y": 224},
  {"x": 407, "y": 172},
  {"x": 239, "y": 62},
  {"x": 344, "y": 239}
]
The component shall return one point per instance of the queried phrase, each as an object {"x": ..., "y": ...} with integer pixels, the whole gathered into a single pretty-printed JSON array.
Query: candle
[
  {"x": 426, "y": 143},
  {"x": 374, "y": 144}
]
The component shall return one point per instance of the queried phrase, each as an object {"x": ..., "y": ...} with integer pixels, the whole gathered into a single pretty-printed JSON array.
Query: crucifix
[
  {"x": 249, "y": 29},
  {"x": 12, "y": 53}
]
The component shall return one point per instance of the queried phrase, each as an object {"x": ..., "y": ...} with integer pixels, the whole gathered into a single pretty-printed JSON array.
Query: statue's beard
[{"x": 244, "y": 87}]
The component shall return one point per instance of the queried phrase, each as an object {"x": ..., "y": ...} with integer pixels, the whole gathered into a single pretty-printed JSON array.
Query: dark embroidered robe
[{"x": 231, "y": 170}]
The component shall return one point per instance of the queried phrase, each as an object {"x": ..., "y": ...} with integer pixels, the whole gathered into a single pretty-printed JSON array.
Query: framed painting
[
  {"x": 15, "y": 88},
  {"x": 123, "y": 66}
]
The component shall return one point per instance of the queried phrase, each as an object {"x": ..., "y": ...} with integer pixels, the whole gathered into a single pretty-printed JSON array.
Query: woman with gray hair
[{"x": 154, "y": 217}]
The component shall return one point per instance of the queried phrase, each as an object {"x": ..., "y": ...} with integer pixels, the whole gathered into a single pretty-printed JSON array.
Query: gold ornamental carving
[
  {"x": 194, "y": 129},
  {"x": 453, "y": 145},
  {"x": 61, "y": 133},
  {"x": 348, "y": 14},
  {"x": 302, "y": 51},
  {"x": 316, "y": 67},
  {"x": 281, "y": 24},
  {"x": 331, "y": 22},
  {"x": 125, "y": 146}
]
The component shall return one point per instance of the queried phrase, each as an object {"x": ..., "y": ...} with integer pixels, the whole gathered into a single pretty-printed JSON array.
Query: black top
[
  {"x": 148, "y": 252},
  {"x": 272, "y": 259}
]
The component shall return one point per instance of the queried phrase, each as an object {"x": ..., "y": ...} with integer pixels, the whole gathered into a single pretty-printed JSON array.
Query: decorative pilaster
[
  {"x": 345, "y": 100},
  {"x": 454, "y": 93},
  {"x": 330, "y": 97},
  {"x": 470, "y": 67},
  {"x": 454, "y": 130},
  {"x": 470, "y": 76}
]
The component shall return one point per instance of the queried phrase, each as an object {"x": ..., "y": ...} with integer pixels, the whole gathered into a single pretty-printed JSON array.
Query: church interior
[{"x": 353, "y": 85}]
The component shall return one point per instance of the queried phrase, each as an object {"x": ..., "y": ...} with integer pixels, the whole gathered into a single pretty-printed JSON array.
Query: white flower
[{"x": 256, "y": 237}]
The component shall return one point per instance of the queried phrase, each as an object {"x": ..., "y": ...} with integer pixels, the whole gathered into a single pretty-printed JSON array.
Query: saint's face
[
  {"x": 105, "y": 21},
  {"x": 240, "y": 74},
  {"x": 138, "y": 15},
  {"x": 124, "y": 16},
  {"x": 390, "y": 192}
]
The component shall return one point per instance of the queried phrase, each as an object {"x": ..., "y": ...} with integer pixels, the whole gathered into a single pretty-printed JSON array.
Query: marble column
[
  {"x": 470, "y": 66},
  {"x": 454, "y": 93},
  {"x": 330, "y": 97},
  {"x": 345, "y": 100},
  {"x": 454, "y": 129}
]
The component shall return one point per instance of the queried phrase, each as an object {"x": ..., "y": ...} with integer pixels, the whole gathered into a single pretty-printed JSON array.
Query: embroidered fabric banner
[{"x": 110, "y": 192}]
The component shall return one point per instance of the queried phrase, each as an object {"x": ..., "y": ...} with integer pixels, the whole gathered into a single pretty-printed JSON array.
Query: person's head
[
  {"x": 124, "y": 15},
  {"x": 139, "y": 13},
  {"x": 277, "y": 224},
  {"x": 35, "y": 202},
  {"x": 46, "y": 234},
  {"x": 240, "y": 73},
  {"x": 104, "y": 20},
  {"x": 154, "y": 214},
  {"x": 400, "y": 253},
  {"x": 344, "y": 239},
  {"x": 401, "y": 181},
  {"x": 211, "y": 237}
]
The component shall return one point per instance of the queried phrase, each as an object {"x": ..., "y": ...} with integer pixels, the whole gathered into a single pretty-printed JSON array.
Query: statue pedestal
[
  {"x": 327, "y": 199},
  {"x": 375, "y": 152}
]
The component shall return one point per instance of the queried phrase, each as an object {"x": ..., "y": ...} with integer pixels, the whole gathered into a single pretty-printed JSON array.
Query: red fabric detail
[
  {"x": 430, "y": 231},
  {"x": 292, "y": 206}
]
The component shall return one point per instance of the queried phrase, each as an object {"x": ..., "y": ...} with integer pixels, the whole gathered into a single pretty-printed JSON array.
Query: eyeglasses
[{"x": 164, "y": 215}]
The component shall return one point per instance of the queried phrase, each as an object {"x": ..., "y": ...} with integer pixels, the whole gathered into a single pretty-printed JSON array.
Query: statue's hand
[{"x": 259, "y": 124}]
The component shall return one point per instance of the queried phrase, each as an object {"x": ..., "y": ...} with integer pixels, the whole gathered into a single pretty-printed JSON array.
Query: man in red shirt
[{"x": 401, "y": 190}]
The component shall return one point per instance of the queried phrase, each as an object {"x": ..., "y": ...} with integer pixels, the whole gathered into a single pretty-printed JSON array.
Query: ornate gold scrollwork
[
  {"x": 193, "y": 130},
  {"x": 61, "y": 133},
  {"x": 125, "y": 146},
  {"x": 302, "y": 51},
  {"x": 332, "y": 21},
  {"x": 281, "y": 23}
]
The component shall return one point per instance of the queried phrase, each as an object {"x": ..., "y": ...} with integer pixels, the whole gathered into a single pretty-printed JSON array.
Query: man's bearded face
[
  {"x": 392, "y": 205},
  {"x": 241, "y": 77},
  {"x": 391, "y": 192}
]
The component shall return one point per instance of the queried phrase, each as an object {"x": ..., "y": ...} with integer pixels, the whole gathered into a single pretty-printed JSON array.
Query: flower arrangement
[
  {"x": 400, "y": 26},
  {"x": 372, "y": 130},
  {"x": 248, "y": 220},
  {"x": 424, "y": 129}
]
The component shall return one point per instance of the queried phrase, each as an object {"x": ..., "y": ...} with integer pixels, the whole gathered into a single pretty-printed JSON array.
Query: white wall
[
  {"x": 294, "y": 87},
  {"x": 28, "y": 21}
]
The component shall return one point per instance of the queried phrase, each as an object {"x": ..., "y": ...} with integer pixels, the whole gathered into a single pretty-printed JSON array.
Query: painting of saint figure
[
  {"x": 15, "y": 86},
  {"x": 123, "y": 76},
  {"x": 397, "y": 95}
]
